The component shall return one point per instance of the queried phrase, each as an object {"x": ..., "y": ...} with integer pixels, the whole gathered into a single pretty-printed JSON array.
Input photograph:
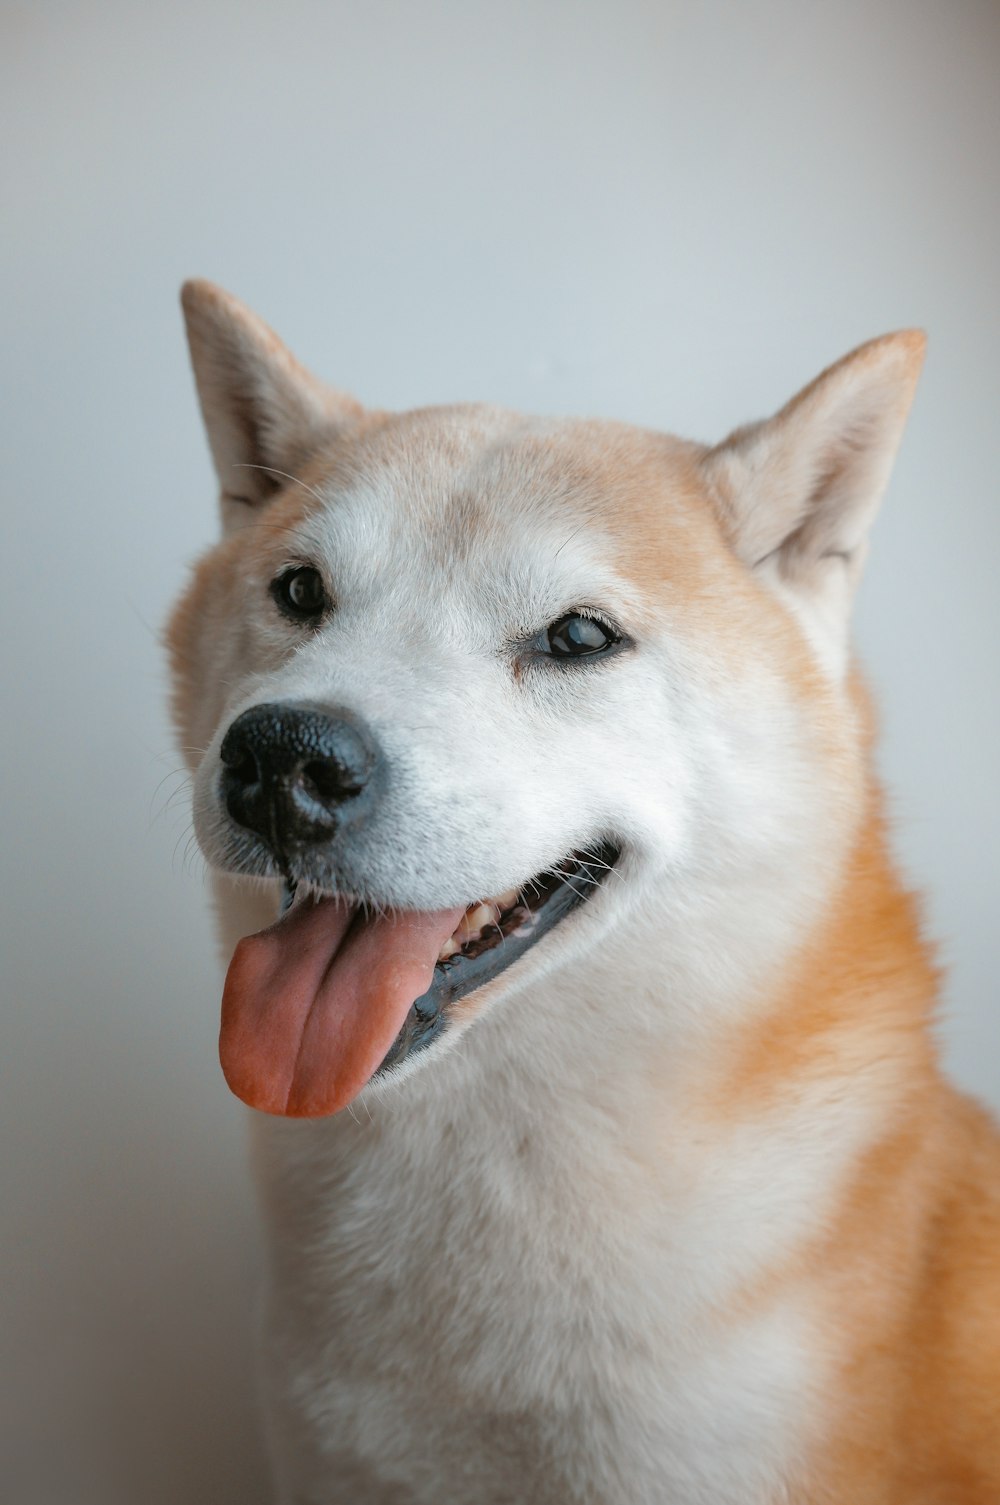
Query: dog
[{"x": 602, "y": 1145}]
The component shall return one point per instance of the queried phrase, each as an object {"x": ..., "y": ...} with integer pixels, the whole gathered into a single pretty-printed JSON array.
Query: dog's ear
[
  {"x": 264, "y": 412},
  {"x": 798, "y": 492}
]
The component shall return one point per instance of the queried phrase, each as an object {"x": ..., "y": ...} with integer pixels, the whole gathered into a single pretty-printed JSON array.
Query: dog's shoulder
[{"x": 955, "y": 1394}]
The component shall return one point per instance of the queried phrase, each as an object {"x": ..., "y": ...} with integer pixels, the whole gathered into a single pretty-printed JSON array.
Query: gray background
[{"x": 669, "y": 213}]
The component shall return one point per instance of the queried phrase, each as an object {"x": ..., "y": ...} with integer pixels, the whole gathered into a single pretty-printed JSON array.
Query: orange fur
[{"x": 906, "y": 1269}]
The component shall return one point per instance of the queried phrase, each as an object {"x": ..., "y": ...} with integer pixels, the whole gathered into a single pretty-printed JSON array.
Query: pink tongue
[{"x": 312, "y": 1005}]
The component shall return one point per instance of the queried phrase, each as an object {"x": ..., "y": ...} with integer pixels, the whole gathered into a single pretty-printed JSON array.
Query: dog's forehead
[{"x": 530, "y": 504}]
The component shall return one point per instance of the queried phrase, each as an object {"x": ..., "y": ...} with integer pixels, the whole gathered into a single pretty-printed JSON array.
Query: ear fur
[
  {"x": 263, "y": 411},
  {"x": 797, "y": 493}
]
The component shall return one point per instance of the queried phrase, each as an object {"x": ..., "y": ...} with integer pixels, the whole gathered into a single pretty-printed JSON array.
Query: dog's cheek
[
  {"x": 631, "y": 760},
  {"x": 203, "y": 640},
  {"x": 223, "y": 636}
]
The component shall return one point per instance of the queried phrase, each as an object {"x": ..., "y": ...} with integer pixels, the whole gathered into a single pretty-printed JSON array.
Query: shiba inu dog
[{"x": 604, "y": 1153}]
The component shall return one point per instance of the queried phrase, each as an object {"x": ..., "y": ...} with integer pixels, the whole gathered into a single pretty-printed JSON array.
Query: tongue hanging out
[{"x": 313, "y": 1004}]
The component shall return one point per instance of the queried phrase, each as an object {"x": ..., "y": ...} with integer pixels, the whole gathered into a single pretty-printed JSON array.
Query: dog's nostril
[
  {"x": 245, "y": 770},
  {"x": 331, "y": 780}
]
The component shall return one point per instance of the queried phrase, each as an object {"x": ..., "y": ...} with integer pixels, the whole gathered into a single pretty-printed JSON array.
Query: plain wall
[{"x": 669, "y": 213}]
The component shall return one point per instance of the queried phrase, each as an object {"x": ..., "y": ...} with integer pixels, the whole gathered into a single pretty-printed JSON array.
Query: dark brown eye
[
  {"x": 575, "y": 636},
  {"x": 300, "y": 593}
]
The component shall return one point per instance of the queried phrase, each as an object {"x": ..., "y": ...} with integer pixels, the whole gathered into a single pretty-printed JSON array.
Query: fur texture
[{"x": 680, "y": 1211}]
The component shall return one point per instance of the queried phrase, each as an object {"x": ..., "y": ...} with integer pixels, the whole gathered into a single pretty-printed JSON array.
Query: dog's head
[{"x": 478, "y": 688}]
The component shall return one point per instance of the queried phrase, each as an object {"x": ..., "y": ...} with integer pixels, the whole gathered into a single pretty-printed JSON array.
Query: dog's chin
[{"x": 461, "y": 951}]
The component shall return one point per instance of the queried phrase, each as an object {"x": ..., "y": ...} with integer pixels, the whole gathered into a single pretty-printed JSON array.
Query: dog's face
[{"x": 490, "y": 683}]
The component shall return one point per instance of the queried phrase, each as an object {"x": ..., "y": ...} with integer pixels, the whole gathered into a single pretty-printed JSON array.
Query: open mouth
[
  {"x": 494, "y": 933},
  {"x": 330, "y": 996}
]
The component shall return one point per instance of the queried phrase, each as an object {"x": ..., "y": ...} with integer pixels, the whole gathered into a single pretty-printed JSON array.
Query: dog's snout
[{"x": 290, "y": 768}]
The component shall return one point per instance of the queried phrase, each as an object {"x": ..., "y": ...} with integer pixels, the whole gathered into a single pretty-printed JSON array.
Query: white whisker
[{"x": 272, "y": 470}]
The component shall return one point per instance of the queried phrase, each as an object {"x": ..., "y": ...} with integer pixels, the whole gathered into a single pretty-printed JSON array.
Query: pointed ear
[
  {"x": 264, "y": 412},
  {"x": 797, "y": 493}
]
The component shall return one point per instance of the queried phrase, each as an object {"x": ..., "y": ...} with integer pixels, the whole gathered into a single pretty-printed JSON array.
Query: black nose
[{"x": 289, "y": 770}]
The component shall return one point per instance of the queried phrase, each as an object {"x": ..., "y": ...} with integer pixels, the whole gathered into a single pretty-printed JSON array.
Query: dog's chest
[{"x": 446, "y": 1308}]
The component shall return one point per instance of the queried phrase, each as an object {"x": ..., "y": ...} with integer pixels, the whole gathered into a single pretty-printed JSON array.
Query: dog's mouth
[{"x": 330, "y": 996}]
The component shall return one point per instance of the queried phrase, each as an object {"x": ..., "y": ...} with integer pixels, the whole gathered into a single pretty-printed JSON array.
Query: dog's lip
[{"x": 557, "y": 892}]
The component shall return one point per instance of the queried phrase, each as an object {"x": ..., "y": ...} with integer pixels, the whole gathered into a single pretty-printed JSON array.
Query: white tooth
[
  {"x": 448, "y": 949},
  {"x": 475, "y": 919},
  {"x": 507, "y": 900}
]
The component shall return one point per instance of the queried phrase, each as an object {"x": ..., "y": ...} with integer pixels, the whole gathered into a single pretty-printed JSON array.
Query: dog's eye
[
  {"x": 575, "y": 636},
  {"x": 300, "y": 593}
]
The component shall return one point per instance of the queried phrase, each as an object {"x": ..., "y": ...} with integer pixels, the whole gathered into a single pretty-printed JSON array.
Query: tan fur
[{"x": 898, "y": 1263}]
